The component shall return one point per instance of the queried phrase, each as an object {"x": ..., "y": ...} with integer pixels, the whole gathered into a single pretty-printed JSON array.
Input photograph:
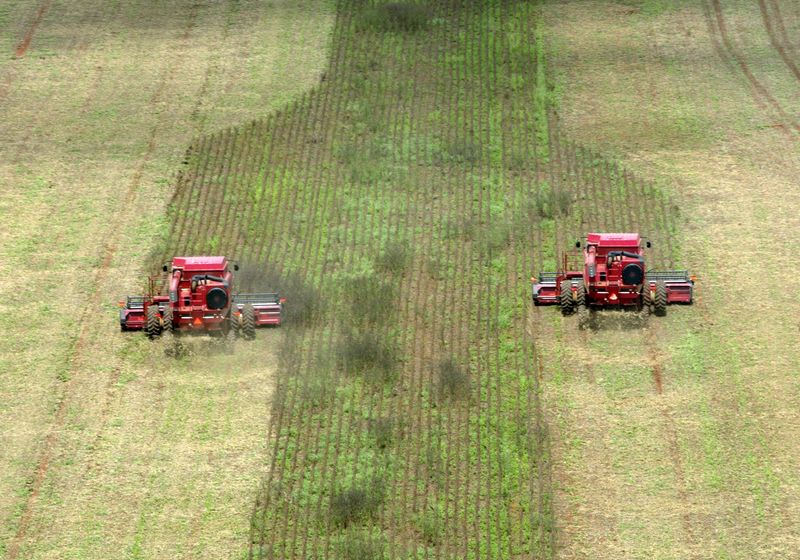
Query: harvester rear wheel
[
  {"x": 580, "y": 295},
  {"x": 248, "y": 331},
  {"x": 660, "y": 301},
  {"x": 565, "y": 298},
  {"x": 166, "y": 319},
  {"x": 235, "y": 320},
  {"x": 152, "y": 324},
  {"x": 580, "y": 305},
  {"x": 647, "y": 301}
]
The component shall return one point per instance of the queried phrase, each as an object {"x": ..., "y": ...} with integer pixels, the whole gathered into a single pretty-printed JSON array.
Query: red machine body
[
  {"x": 198, "y": 296},
  {"x": 612, "y": 273}
]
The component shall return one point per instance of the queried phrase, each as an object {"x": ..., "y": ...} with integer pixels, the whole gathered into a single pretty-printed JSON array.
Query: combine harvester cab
[
  {"x": 611, "y": 274},
  {"x": 198, "y": 297}
]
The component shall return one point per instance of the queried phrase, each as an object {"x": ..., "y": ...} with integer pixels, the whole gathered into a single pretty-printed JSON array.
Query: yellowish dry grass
[
  {"x": 110, "y": 450},
  {"x": 708, "y": 468}
]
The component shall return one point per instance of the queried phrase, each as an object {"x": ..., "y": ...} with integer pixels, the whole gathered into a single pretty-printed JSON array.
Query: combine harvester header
[
  {"x": 198, "y": 296},
  {"x": 612, "y": 274}
]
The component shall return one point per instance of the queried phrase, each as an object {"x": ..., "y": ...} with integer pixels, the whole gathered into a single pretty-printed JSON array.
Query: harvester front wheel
[
  {"x": 565, "y": 298},
  {"x": 660, "y": 300},
  {"x": 152, "y": 324},
  {"x": 248, "y": 331}
]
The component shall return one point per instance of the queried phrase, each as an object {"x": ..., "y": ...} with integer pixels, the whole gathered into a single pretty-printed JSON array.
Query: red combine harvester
[
  {"x": 612, "y": 275},
  {"x": 200, "y": 299}
]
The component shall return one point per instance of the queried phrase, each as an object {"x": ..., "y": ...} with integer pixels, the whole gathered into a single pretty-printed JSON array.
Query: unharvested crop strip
[
  {"x": 177, "y": 208},
  {"x": 196, "y": 196},
  {"x": 408, "y": 125},
  {"x": 209, "y": 191},
  {"x": 276, "y": 428},
  {"x": 455, "y": 426},
  {"x": 219, "y": 194},
  {"x": 218, "y": 232},
  {"x": 325, "y": 462},
  {"x": 256, "y": 185},
  {"x": 331, "y": 182},
  {"x": 230, "y": 224},
  {"x": 309, "y": 174}
]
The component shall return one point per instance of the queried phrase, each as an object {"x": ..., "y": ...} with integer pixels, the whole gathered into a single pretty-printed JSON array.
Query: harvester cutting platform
[
  {"x": 199, "y": 297},
  {"x": 613, "y": 275}
]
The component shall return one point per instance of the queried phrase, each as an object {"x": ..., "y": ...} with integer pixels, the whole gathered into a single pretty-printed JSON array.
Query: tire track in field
[
  {"x": 22, "y": 46},
  {"x": 673, "y": 448},
  {"x": 718, "y": 30},
  {"x": 780, "y": 45},
  {"x": 787, "y": 43},
  {"x": 108, "y": 252}
]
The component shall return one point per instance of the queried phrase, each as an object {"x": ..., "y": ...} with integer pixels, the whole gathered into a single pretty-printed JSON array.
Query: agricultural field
[
  {"x": 699, "y": 459},
  {"x": 399, "y": 171},
  {"x": 404, "y": 205},
  {"x": 106, "y": 449}
]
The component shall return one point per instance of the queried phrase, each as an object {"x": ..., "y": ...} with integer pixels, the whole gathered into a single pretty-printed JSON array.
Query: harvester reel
[{"x": 152, "y": 324}]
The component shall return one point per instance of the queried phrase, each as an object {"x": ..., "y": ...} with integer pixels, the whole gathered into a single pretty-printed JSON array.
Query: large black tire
[
  {"x": 581, "y": 308},
  {"x": 647, "y": 301},
  {"x": 235, "y": 325},
  {"x": 152, "y": 323},
  {"x": 660, "y": 301},
  {"x": 248, "y": 331},
  {"x": 565, "y": 298},
  {"x": 580, "y": 295},
  {"x": 166, "y": 319}
]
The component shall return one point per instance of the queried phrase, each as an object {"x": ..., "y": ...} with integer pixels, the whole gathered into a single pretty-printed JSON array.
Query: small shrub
[
  {"x": 361, "y": 545},
  {"x": 369, "y": 354},
  {"x": 394, "y": 257},
  {"x": 550, "y": 203},
  {"x": 453, "y": 379},
  {"x": 464, "y": 151},
  {"x": 356, "y": 502},
  {"x": 495, "y": 237},
  {"x": 431, "y": 524},
  {"x": 397, "y": 16},
  {"x": 371, "y": 299},
  {"x": 317, "y": 388},
  {"x": 382, "y": 429}
]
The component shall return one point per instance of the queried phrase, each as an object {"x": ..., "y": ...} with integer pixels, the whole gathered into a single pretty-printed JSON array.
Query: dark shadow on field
[{"x": 304, "y": 303}]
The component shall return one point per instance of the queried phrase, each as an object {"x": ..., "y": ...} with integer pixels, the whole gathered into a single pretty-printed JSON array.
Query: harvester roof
[
  {"x": 200, "y": 264},
  {"x": 614, "y": 239}
]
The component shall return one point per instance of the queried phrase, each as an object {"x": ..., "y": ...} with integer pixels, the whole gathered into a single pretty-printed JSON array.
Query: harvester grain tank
[
  {"x": 612, "y": 274},
  {"x": 197, "y": 296}
]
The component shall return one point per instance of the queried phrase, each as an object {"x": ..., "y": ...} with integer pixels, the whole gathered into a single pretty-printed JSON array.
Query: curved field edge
[
  {"x": 97, "y": 114},
  {"x": 402, "y": 207}
]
